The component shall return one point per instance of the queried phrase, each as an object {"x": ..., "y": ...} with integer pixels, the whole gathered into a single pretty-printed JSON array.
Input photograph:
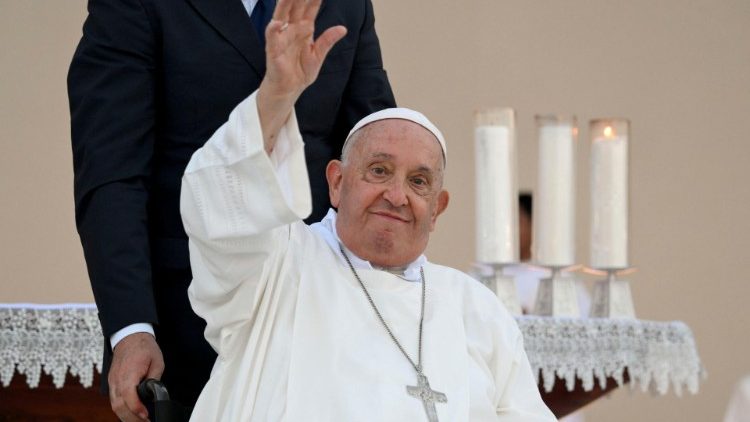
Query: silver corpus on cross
[
  {"x": 428, "y": 396},
  {"x": 422, "y": 390}
]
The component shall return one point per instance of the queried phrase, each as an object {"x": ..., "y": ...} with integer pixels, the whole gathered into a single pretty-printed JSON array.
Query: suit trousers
[{"x": 180, "y": 336}]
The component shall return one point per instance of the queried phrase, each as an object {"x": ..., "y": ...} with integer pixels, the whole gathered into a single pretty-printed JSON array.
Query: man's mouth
[{"x": 391, "y": 216}]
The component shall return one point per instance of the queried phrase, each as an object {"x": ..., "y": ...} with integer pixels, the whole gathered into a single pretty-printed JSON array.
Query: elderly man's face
[{"x": 388, "y": 192}]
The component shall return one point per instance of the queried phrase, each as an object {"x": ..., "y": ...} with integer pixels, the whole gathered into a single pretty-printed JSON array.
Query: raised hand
[{"x": 293, "y": 60}]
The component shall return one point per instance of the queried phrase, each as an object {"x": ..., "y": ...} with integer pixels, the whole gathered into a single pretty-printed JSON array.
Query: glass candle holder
[
  {"x": 496, "y": 186},
  {"x": 554, "y": 205},
  {"x": 609, "y": 193}
]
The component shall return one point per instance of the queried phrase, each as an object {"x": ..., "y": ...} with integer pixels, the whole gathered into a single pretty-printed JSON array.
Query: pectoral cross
[{"x": 428, "y": 396}]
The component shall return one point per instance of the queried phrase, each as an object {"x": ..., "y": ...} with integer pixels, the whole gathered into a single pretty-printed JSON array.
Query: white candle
[
  {"x": 554, "y": 205},
  {"x": 609, "y": 194},
  {"x": 497, "y": 191}
]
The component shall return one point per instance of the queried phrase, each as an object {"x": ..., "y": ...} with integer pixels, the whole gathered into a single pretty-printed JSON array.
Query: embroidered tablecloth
[{"x": 66, "y": 338}]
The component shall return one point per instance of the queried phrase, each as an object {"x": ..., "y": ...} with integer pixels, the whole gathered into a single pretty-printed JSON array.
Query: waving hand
[{"x": 293, "y": 60}]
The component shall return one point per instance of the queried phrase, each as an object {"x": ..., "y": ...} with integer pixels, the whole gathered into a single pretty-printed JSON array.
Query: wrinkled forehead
[
  {"x": 394, "y": 138},
  {"x": 400, "y": 114}
]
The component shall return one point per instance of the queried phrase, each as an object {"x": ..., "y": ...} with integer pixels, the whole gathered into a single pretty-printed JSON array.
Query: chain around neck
[{"x": 417, "y": 366}]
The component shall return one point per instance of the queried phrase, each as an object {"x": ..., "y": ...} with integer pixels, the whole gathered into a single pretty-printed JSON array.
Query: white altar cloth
[
  {"x": 656, "y": 354},
  {"x": 66, "y": 338}
]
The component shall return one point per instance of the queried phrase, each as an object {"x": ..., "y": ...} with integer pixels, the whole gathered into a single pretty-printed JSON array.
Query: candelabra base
[
  {"x": 505, "y": 289},
  {"x": 612, "y": 299},
  {"x": 557, "y": 296}
]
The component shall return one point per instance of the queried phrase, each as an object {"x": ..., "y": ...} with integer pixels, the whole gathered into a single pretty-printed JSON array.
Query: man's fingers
[
  {"x": 124, "y": 398},
  {"x": 311, "y": 10},
  {"x": 281, "y": 11},
  {"x": 132, "y": 402},
  {"x": 274, "y": 38},
  {"x": 124, "y": 414},
  {"x": 327, "y": 39},
  {"x": 275, "y": 25},
  {"x": 120, "y": 407},
  {"x": 297, "y": 10},
  {"x": 155, "y": 370}
]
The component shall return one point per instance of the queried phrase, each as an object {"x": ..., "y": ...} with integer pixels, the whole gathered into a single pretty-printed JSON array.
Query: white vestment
[
  {"x": 738, "y": 409},
  {"x": 296, "y": 337}
]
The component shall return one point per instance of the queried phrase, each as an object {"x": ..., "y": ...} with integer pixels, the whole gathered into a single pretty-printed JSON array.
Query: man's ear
[
  {"x": 334, "y": 176},
  {"x": 442, "y": 203}
]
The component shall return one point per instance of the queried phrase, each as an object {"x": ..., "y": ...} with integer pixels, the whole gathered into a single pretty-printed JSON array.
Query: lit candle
[
  {"x": 497, "y": 189},
  {"x": 609, "y": 193},
  {"x": 554, "y": 205}
]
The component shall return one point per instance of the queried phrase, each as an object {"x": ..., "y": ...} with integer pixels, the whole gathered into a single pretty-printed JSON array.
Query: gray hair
[{"x": 353, "y": 139}]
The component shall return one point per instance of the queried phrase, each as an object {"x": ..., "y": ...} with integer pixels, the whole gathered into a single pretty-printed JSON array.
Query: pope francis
[{"x": 344, "y": 320}]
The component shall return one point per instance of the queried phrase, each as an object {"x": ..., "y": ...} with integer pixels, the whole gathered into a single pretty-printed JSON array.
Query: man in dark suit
[{"x": 150, "y": 81}]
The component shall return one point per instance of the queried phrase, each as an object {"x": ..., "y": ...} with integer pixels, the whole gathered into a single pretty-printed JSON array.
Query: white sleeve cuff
[{"x": 141, "y": 327}]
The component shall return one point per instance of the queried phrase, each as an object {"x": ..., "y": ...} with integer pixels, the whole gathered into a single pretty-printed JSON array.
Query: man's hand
[
  {"x": 135, "y": 357},
  {"x": 293, "y": 60}
]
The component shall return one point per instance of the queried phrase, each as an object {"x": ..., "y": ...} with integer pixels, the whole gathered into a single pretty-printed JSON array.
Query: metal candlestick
[
  {"x": 612, "y": 298},
  {"x": 557, "y": 295},
  {"x": 503, "y": 286}
]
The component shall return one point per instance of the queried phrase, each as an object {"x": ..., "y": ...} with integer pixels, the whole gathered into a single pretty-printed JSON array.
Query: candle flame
[{"x": 609, "y": 132}]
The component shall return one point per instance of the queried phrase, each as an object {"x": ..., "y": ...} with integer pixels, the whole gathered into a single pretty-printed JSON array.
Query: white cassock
[
  {"x": 296, "y": 337},
  {"x": 738, "y": 409}
]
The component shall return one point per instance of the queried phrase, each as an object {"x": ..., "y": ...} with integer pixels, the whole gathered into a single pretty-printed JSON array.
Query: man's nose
[{"x": 395, "y": 194}]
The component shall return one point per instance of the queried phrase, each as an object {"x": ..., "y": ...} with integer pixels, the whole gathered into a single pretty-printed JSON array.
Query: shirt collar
[
  {"x": 249, "y": 5},
  {"x": 326, "y": 228}
]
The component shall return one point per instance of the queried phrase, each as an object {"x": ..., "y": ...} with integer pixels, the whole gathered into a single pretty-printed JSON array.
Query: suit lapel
[{"x": 230, "y": 19}]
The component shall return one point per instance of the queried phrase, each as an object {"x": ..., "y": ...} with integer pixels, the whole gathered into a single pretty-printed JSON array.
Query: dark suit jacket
[{"x": 150, "y": 81}]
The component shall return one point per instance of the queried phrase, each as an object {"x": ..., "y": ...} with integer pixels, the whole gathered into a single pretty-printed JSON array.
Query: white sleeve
[
  {"x": 520, "y": 400},
  {"x": 237, "y": 203},
  {"x": 139, "y": 327}
]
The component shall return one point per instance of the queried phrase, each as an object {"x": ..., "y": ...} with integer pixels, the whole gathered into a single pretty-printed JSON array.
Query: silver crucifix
[{"x": 428, "y": 396}]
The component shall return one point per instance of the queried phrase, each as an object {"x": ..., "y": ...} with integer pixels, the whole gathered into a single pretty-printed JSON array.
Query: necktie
[{"x": 260, "y": 17}]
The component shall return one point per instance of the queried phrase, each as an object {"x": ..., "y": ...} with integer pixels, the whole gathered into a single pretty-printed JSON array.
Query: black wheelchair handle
[{"x": 151, "y": 390}]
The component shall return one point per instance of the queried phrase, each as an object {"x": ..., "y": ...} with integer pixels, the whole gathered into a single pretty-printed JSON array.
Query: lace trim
[
  {"x": 54, "y": 339},
  {"x": 656, "y": 354},
  {"x": 58, "y": 339}
]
